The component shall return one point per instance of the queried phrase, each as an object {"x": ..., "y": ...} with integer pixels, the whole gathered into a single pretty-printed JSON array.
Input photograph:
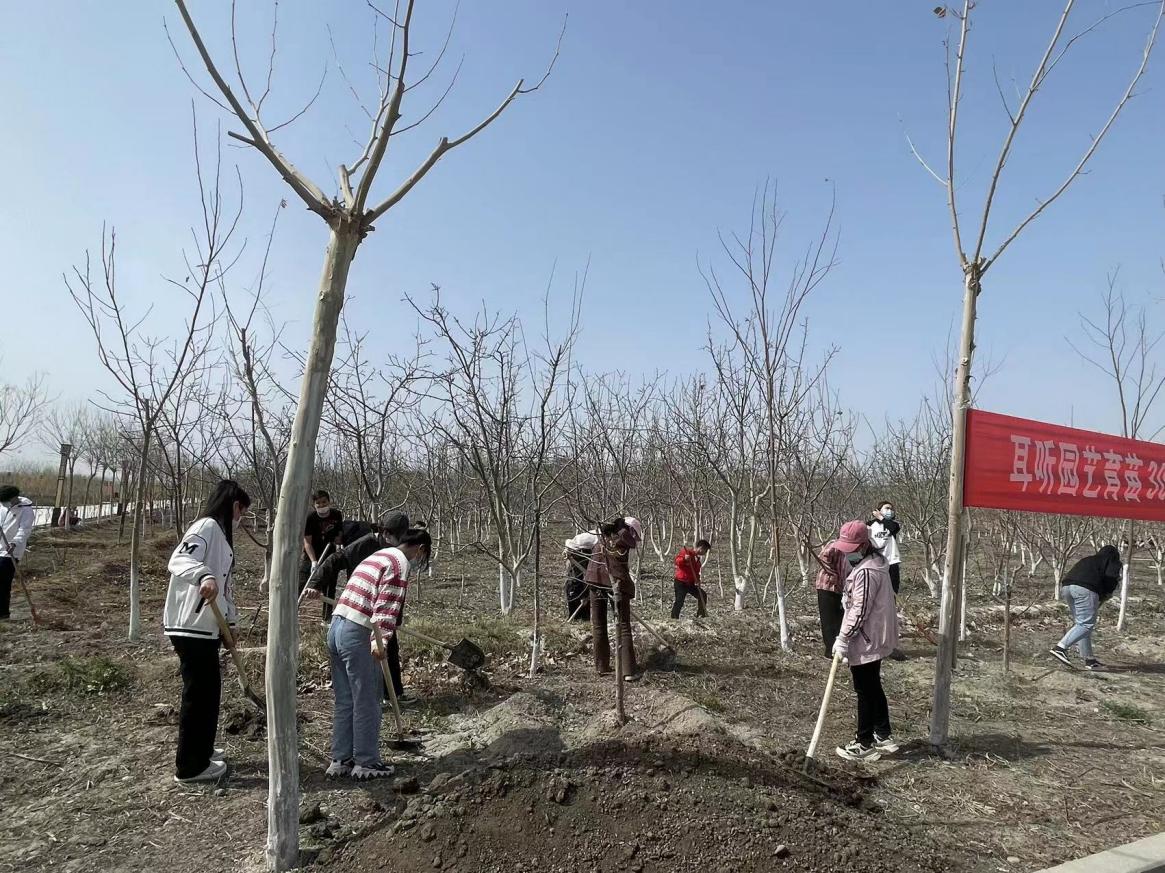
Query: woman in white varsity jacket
[
  {"x": 201, "y": 569},
  {"x": 373, "y": 595}
]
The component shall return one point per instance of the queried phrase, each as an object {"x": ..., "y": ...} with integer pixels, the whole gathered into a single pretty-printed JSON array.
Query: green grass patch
[
  {"x": 96, "y": 674},
  {"x": 1126, "y": 712}
]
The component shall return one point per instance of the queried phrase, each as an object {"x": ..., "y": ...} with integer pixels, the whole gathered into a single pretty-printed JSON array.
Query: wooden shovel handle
[
  {"x": 824, "y": 708},
  {"x": 400, "y": 724}
]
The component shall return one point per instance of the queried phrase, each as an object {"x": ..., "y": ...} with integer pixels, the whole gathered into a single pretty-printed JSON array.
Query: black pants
[
  {"x": 682, "y": 592},
  {"x": 201, "y": 696},
  {"x": 7, "y": 574},
  {"x": 831, "y": 612},
  {"x": 392, "y": 658},
  {"x": 578, "y": 602},
  {"x": 895, "y": 577},
  {"x": 873, "y": 711}
]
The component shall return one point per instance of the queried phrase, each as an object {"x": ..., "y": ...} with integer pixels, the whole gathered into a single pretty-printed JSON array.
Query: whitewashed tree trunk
[
  {"x": 135, "y": 539},
  {"x": 740, "y": 583},
  {"x": 283, "y": 628},
  {"x": 1125, "y": 575},
  {"x": 782, "y": 618}
]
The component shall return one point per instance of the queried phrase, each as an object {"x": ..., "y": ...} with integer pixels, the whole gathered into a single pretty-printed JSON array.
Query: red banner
[{"x": 1030, "y": 466}]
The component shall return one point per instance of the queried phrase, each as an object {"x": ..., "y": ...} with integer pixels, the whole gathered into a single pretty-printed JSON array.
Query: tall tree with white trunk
[
  {"x": 976, "y": 256},
  {"x": 349, "y": 217}
]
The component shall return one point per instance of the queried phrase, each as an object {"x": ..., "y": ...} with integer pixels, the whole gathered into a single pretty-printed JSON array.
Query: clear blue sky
[{"x": 660, "y": 121}]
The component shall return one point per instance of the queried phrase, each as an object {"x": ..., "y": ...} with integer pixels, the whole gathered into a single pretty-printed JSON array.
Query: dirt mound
[
  {"x": 627, "y": 807},
  {"x": 524, "y": 722}
]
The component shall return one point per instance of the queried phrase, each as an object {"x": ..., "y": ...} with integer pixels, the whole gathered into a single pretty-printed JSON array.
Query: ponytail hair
[
  {"x": 418, "y": 537},
  {"x": 612, "y": 528}
]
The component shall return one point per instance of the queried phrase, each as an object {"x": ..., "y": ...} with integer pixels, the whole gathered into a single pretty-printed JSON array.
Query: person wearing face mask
[
  {"x": 884, "y": 528},
  {"x": 201, "y": 570},
  {"x": 387, "y": 533},
  {"x": 608, "y": 576},
  {"x": 325, "y": 525},
  {"x": 373, "y": 596},
  {"x": 17, "y": 517},
  {"x": 868, "y": 634}
]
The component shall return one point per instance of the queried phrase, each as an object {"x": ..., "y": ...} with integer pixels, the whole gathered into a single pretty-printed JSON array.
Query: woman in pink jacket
[{"x": 869, "y": 633}]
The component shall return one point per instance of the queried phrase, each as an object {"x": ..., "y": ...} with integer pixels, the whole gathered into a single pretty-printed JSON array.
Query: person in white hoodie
[
  {"x": 17, "y": 517},
  {"x": 200, "y": 570}
]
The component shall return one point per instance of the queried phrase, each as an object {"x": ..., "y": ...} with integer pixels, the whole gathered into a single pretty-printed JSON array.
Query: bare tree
[
  {"x": 768, "y": 337},
  {"x": 975, "y": 259},
  {"x": 21, "y": 410},
  {"x": 350, "y": 217},
  {"x": 1123, "y": 346},
  {"x": 135, "y": 360}
]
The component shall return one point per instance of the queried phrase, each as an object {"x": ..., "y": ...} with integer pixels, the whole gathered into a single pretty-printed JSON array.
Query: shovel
[
  {"x": 654, "y": 633},
  {"x": 225, "y": 631},
  {"x": 464, "y": 654},
  {"x": 402, "y": 741},
  {"x": 824, "y": 709}
]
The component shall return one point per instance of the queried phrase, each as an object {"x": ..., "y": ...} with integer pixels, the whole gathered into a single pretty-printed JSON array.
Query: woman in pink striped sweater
[{"x": 374, "y": 594}]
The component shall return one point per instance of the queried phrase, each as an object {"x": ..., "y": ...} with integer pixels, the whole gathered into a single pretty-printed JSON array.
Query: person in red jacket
[{"x": 688, "y": 565}]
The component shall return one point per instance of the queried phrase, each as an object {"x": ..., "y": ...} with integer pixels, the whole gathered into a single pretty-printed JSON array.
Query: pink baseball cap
[{"x": 854, "y": 535}]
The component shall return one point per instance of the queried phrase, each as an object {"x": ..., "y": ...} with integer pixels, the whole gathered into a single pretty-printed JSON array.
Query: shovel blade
[{"x": 467, "y": 655}]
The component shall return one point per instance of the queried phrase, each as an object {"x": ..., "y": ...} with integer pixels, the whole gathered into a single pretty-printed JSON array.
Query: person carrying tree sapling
[
  {"x": 1089, "y": 583},
  {"x": 324, "y": 525},
  {"x": 884, "y": 528},
  {"x": 609, "y": 576},
  {"x": 868, "y": 634},
  {"x": 363, "y": 541},
  {"x": 689, "y": 563},
  {"x": 577, "y": 552},
  {"x": 372, "y": 598},
  {"x": 201, "y": 570},
  {"x": 17, "y": 518}
]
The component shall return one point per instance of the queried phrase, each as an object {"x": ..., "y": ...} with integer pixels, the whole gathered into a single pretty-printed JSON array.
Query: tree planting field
[{"x": 1045, "y": 764}]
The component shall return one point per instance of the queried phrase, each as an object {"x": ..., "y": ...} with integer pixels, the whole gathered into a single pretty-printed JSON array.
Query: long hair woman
[
  {"x": 200, "y": 571},
  {"x": 373, "y": 595}
]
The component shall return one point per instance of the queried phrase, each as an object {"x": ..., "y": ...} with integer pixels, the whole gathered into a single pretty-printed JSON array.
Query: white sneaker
[
  {"x": 213, "y": 773},
  {"x": 218, "y": 754},
  {"x": 379, "y": 770},
  {"x": 339, "y": 768},
  {"x": 885, "y": 745},
  {"x": 855, "y": 751}
]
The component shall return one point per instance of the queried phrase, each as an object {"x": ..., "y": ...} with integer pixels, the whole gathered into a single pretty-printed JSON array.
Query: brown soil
[{"x": 1044, "y": 764}]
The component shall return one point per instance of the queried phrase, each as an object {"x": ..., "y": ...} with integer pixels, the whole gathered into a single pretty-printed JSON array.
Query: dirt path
[{"x": 533, "y": 775}]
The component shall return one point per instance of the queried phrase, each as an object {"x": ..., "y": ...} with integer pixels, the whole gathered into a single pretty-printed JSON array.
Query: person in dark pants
[
  {"x": 325, "y": 525},
  {"x": 577, "y": 552},
  {"x": 829, "y": 584},
  {"x": 869, "y": 633},
  {"x": 17, "y": 517},
  {"x": 609, "y": 577},
  {"x": 689, "y": 563},
  {"x": 201, "y": 570}
]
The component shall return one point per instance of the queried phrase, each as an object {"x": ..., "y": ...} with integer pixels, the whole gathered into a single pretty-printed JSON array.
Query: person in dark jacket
[
  {"x": 363, "y": 541},
  {"x": 1084, "y": 588},
  {"x": 608, "y": 576}
]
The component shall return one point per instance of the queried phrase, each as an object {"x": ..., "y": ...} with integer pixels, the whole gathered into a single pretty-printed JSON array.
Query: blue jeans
[
  {"x": 1083, "y": 604},
  {"x": 358, "y": 685}
]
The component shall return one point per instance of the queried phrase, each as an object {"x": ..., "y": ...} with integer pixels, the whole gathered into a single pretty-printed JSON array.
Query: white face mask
[
  {"x": 322, "y": 513},
  {"x": 887, "y": 513}
]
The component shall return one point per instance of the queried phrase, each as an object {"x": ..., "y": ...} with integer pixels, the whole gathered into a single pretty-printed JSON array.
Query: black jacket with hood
[
  {"x": 347, "y": 559},
  {"x": 1100, "y": 572}
]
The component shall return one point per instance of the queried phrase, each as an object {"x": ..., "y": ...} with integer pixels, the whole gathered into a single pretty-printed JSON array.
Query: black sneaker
[
  {"x": 1093, "y": 664},
  {"x": 215, "y": 771},
  {"x": 408, "y": 698},
  {"x": 379, "y": 770},
  {"x": 1060, "y": 655},
  {"x": 898, "y": 655}
]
